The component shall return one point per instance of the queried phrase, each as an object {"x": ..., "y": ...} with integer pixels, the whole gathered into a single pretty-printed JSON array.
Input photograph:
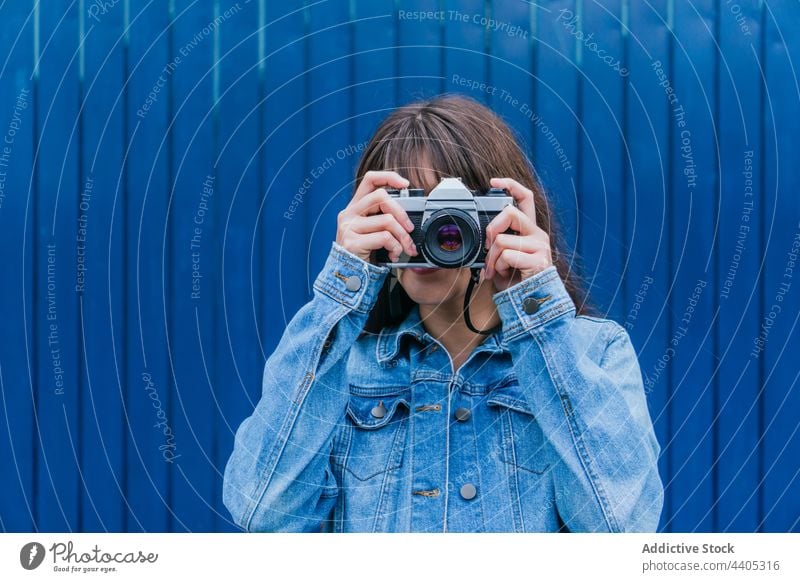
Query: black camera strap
[
  {"x": 474, "y": 278},
  {"x": 395, "y": 300}
]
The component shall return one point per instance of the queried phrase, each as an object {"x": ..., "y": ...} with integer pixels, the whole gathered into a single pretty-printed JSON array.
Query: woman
[{"x": 418, "y": 423}]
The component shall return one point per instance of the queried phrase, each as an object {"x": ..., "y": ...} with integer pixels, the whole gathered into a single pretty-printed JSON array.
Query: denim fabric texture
[{"x": 544, "y": 427}]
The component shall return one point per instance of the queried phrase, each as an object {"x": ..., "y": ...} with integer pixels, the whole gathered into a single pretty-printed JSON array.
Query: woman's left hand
[{"x": 515, "y": 257}]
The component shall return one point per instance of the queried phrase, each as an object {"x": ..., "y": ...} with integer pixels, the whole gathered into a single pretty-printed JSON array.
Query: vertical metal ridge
[
  {"x": 715, "y": 335},
  {"x": 261, "y": 38},
  {"x": 533, "y": 46},
  {"x": 576, "y": 41},
  {"x": 34, "y": 197},
  {"x": 625, "y": 153},
  {"x": 36, "y": 38},
  {"x": 170, "y": 242},
  {"x": 81, "y": 39},
  {"x": 442, "y": 52},
  {"x": 351, "y": 79},
  {"x": 396, "y": 52},
  {"x": 581, "y": 135},
  {"x": 125, "y": 210},
  {"x": 217, "y": 248},
  {"x": 215, "y": 54},
  {"x": 487, "y": 44},
  {"x": 625, "y": 10},
  {"x": 261, "y": 174},
  {"x": 307, "y": 129},
  {"x": 669, "y": 219},
  {"x": 762, "y": 292},
  {"x": 81, "y": 379}
]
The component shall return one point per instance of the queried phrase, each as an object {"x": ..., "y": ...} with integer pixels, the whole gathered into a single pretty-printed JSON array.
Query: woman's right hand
[{"x": 373, "y": 220}]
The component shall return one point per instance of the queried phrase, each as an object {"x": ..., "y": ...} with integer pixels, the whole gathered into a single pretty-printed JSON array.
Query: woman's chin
[{"x": 427, "y": 286}]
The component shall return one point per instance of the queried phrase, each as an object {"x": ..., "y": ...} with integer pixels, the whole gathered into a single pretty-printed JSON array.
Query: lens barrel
[{"x": 450, "y": 238}]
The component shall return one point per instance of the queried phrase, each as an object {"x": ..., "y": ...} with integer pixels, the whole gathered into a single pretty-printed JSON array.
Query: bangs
[{"x": 424, "y": 153}]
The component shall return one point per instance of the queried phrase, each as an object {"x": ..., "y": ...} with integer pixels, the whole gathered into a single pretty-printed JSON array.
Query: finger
[
  {"x": 380, "y": 201},
  {"x": 378, "y": 222},
  {"x": 373, "y": 180},
  {"x": 509, "y": 217},
  {"x": 510, "y": 259},
  {"x": 522, "y": 195},
  {"x": 491, "y": 258},
  {"x": 526, "y": 244},
  {"x": 378, "y": 240},
  {"x": 513, "y": 259}
]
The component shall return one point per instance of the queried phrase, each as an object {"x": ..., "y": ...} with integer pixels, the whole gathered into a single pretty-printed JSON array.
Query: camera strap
[
  {"x": 395, "y": 301},
  {"x": 474, "y": 278}
]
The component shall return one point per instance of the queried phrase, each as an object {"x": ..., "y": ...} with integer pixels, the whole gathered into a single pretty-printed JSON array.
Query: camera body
[{"x": 449, "y": 224}]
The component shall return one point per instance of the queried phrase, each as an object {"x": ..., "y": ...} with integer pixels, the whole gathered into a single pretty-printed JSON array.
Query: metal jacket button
[
  {"x": 530, "y": 305},
  {"x": 379, "y": 411},
  {"x": 468, "y": 491},
  {"x": 462, "y": 414},
  {"x": 353, "y": 283}
]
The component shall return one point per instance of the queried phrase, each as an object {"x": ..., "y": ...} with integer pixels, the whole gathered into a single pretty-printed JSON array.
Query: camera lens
[{"x": 449, "y": 237}]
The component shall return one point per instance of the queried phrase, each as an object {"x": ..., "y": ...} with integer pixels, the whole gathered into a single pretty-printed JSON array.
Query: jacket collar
[{"x": 390, "y": 338}]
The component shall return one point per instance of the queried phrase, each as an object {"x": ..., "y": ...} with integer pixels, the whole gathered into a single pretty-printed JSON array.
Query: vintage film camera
[{"x": 449, "y": 224}]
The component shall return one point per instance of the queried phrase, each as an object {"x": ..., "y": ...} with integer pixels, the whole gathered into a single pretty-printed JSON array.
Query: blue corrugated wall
[{"x": 170, "y": 174}]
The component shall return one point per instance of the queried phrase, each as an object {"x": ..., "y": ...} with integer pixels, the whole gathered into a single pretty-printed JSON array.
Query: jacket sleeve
[
  {"x": 279, "y": 477},
  {"x": 585, "y": 388}
]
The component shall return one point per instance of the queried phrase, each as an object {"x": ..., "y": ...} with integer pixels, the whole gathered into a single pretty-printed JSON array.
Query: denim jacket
[{"x": 544, "y": 427}]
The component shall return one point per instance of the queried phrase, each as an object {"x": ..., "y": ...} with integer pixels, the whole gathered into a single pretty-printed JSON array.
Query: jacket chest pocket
[
  {"x": 379, "y": 427},
  {"x": 522, "y": 442}
]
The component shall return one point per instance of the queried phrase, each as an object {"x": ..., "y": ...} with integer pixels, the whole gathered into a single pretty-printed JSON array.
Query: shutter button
[
  {"x": 468, "y": 491},
  {"x": 530, "y": 305},
  {"x": 379, "y": 411},
  {"x": 353, "y": 283},
  {"x": 462, "y": 414}
]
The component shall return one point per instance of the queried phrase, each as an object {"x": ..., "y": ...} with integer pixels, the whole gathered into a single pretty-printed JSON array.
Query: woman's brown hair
[{"x": 455, "y": 136}]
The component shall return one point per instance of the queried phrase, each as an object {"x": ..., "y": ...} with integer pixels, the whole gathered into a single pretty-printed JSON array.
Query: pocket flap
[
  {"x": 509, "y": 394},
  {"x": 360, "y": 409}
]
